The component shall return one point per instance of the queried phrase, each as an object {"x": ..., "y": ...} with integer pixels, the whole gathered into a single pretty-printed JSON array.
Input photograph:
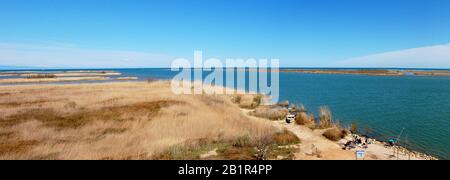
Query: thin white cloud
[
  {"x": 425, "y": 57},
  {"x": 59, "y": 56}
]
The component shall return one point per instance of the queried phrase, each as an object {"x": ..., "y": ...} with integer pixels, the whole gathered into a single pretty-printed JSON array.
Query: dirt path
[{"x": 316, "y": 147}]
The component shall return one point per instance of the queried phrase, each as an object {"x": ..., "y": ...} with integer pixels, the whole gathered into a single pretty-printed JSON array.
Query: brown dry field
[
  {"x": 145, "y": 120},
  {"x": 127, "y": 120}
]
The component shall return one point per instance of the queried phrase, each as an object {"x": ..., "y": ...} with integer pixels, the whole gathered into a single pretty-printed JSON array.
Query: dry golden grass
[
  {"x": 325, "y": 118},
  {"x": 285, "y": 138},
  {"x": 127, "y": 78},
  {"x": 305, "y": 120},
  {"x": 114, "y": 120},
  {"x": 335, "y": 134},
  {"x": 247, "y": 101},
  {"x": 269, "y": 113},
  {"x": 52, "y": 118}
]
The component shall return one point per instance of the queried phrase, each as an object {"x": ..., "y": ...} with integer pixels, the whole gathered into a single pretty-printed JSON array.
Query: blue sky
[{"x": 134, "y": 33}]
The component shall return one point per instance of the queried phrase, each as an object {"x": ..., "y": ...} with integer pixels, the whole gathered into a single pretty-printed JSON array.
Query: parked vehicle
[{"x": 290, "y": 118}]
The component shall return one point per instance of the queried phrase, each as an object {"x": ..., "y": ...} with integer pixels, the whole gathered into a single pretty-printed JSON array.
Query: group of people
[
  {"x": 357, "y": 141},
  {"x": 391, "y": 142}
]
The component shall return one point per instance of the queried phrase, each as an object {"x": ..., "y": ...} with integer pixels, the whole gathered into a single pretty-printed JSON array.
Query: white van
[{"x": 290, "y": 118}]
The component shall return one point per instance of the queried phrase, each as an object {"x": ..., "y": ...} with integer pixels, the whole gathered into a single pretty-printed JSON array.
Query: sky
[{"x": 152, "y": 33}]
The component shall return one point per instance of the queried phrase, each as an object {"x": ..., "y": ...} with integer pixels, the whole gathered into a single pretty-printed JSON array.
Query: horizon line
[{"x": 286, "y": 67}]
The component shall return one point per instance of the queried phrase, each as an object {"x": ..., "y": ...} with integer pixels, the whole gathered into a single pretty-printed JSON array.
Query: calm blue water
[{"x": 420, "y": 105}]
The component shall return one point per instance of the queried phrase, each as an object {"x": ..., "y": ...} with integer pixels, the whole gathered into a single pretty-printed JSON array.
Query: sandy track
[{"x": 316, "y": 147}]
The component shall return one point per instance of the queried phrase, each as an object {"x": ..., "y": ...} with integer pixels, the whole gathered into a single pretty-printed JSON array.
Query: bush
[
  {"x": 335, "y": 134},
  {"x": 294, "y": 108},
  {"x": 285, "y": 138},
  {"x": 242, "y": 141},
  {"x": 237, "y": 153},
  {"x": 325, "y": 116},
  {"x": 300, "y": 109},
  {"x": 249, "y": 101},
  {"x": 212, "y": 100},
  {"x": 237, "y": 99},
  {"x": 151, "y": 80},
  {"x": 41, "y": 76},
  {"x": 257, "y": 100},
  {"x": 304, "y": 119},
  {"x": 270, "y": 113},
  {"x": 283, "y": 104}
]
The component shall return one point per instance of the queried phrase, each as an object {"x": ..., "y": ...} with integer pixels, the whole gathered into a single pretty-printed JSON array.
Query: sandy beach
[
  {"x": 57, "y": 76},
  {"x": 76, "y": 74},
  {"x": 48, "y": 80}
]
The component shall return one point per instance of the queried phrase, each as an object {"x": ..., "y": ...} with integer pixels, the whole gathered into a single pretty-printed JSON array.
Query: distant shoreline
[
  {"x": 281, "y": 68},
  {"x": 371, "y": 72},
  {"x": 345, "y": 71},
  {"x": 59, "y": 76}
]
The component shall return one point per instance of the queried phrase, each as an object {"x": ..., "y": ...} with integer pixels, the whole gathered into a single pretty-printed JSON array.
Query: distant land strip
[{"x": 371, "y": 72}]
